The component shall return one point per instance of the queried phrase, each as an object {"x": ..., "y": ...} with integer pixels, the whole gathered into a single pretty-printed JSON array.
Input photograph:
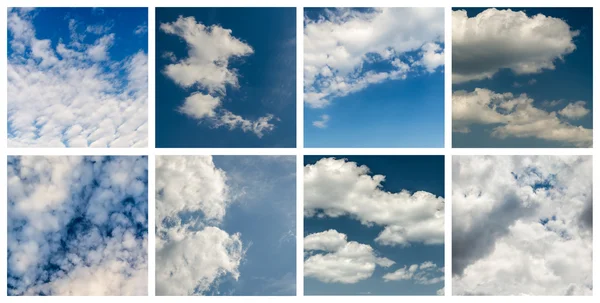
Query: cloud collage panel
[{"x": 252, "y": 150}]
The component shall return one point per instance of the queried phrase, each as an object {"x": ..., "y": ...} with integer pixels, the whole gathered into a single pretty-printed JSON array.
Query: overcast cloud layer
[
  {"x": 70, "y": 93},
  {"x": 77, "y": 226},
  {"x": 522, "y": 225},
  {"x": 206, "y": 73},
  {"x": 343, "y": 46}
]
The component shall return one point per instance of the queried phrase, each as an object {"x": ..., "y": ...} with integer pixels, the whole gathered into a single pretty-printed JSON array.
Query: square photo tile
[
  {"x": 225, "y": 225},
  {"x": 522, "y": 225},
  {"x": 225, "y": 77},
  {"x": 374, "y": 77},
  {"x": 374, "y": 225},
  {"x": 77, "y": 226},
  {"x": 522, "y": 77},
  {"x": 77, "y": 77}
]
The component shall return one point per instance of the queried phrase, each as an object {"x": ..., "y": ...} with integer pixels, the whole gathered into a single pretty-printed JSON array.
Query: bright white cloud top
[
  {"x": 342, "y": 47},
  {"x": 336, "y": 187},
  {"x": 77, "y": 226},
  {"x": 343, "y": 261},
  {"x": 522, "y": 225},
  {"x": 497, "y": 39},
  {"x": 517, "y": 116},
  {"x": 71, "y": 93},
  {"x": 426, "y": 273},
  {"x": 192, "y": 253},
  {"x": 207, "y": 69}
]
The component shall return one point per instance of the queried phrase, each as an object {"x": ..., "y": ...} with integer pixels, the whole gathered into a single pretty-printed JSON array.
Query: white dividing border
[{"x": 300, "y": 151}]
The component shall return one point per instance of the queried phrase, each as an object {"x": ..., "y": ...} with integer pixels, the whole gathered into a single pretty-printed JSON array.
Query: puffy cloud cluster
[
  {"x": 332, "y": 259},
  {"x": 342, "y": 46},
  {"x": 73, "y": 94},
  {"x": 522, "y": 225},
  {"x": 207, "y": 68},
  {"x": 505, "y": 39},
  {"x": 192, "y": 252},
  {"x": 516, "y": 116},
  {"x": 77, "y": 225},
  {"x": 426, "y": 273},
  {"x": 337, "y": 187}
]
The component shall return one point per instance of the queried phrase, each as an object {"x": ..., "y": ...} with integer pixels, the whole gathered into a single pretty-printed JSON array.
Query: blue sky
[
  {"x": 75, "y": 223},
  {"x": 267, "y": 220},
  {"x": 265, "y": 73},
  {"x": 377, "y": 78},
  {"x": 552, "y": 89},
  {"x": 258, "y": 224},
  {"x": 411, "y": 173},
  {"x": 77, "y": 77}
]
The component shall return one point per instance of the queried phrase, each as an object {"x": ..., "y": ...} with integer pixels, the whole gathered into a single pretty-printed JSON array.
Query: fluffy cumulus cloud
[
  {"x": 574, "y": 111},
  {"x": 206, "y": 70},
  {"x": 77, "y": 225},
  {"x": 192, "y": 252},
  {"x": 343, "y": 46},
  {"x": 505, "y": 39},
  {"x": 71, "y": 93},
  {"x": 426, "y": 273},
  {"x": 330, "y": 258},
  {"x": 517, "y": 116},
  {"x": 337, "y": 187},
  {"x": 522, "y": 225}
]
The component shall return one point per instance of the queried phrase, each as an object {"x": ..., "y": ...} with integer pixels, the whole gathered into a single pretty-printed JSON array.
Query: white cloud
[
  {"x": 340, "y": 45},
  {"x": 141, "y": 29},
  {"x": 74, "y": 94},
  {"x": 515, "y": 116},
  {"x": 336, "y": 187},
  {"x": 77, "y": 226},
  {"x": 425, "y": 274},
  {"x": 498, "y": 39},
  {"x": 190, "y": 184},
  {"x": 207, "y": 68},
  {"x": 522, "y": 225},
  {"x": 258, "y": 127},
  {"x": 330, "y": 240},
  {"x": 441, "y": 291},
  {"x": 192, "y": 262},
  {"x": 99, "y": 50},
  {"x": 432, "y": 56},
  {"x": 321, "y": 123},
  {"x": 344, "y": 262},
  {"x": 192, "y": 252},
  {"x": 574, "y": 110},
  {"x": 99, "y": 29},
  {"x": 199, "y": 105}
]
